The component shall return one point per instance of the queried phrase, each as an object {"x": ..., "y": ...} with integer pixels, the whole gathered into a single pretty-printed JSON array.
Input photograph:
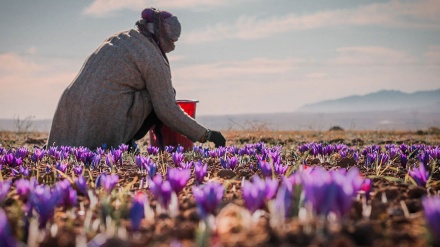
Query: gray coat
[{"x": 116, "y": 89}]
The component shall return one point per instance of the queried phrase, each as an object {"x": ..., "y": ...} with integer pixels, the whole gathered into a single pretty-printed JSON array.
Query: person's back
[{"x": 122, "y": 83}]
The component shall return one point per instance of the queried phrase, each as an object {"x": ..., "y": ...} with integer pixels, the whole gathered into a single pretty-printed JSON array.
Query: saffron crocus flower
[
  {"x": 123, "y": 147},
  {"x": 7, "y": 238},
  {"x": 108, "y": 182},
  {"x": 109, "y": 160},
  {"x": 180, "y": 149},
  {"x": 4, "y": 189},
  {"x": 161, "y": 190},
  {"x": 255, "y": 193},
  {"x": 229, "y": 162},
  {"x": 419, "y": 174},
  {"x": 24, "y": 171},
  {"x": 424, "y": 158},
  {"x": 403, "y": 160},
  {"x": 38, "y": 155},
  {"x": 186, "y": 165},
  {"x": 200, "y": 171},
  {"x": 152, "y": 150},
  {"x": 265, "y": 167},
  {"x": 152, "y": 169},
  {"x": 62, "y": 166},
  {"x": 431, "y": 207},
  {"x": 81, "y": 185},
  {"x": 21, "y": 152},
  {"x": 169, "y": 149},
  {"x": 137, "y": 212},
  {"x": 24, "y": 186},
  {"x": 178, "y": 178},
  {"x": 208, "y": 197},
  {"x": 78, "y": 170},
  {"x": 44, "y": 201},
  {"x": 177, "y": 158},
  {"x": 66, "y": 194},
  {"x": 117, "y": 156}
]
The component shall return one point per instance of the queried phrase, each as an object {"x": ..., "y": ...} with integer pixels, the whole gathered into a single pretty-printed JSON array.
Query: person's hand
[{"x": 217, "y": 138}]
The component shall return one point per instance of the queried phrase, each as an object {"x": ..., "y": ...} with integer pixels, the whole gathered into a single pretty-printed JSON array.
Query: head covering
[{"x": 164, "y": 26}]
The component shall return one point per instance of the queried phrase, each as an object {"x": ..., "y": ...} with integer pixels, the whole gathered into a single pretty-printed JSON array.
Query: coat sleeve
[{"x": 157, "y": 76}]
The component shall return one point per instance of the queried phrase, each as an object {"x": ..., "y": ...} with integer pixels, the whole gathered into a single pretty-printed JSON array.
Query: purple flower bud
[
  {"x": 161, "y": 190},
  {"x": 177, "y": 158},
  {"x": 420, "y": 175},
  {"x": 151, "y": 150},
  {"x": 208, "y": 197},
  {"x": 21, "y": 152},
  {"x": 186, "y": 165},
  {"x": 136, "y": 213},
  {"x": 229, "y": 162},
  {"x": 180, "y": 149},
  {"x": 23, "y": 188},
  {"x": 7, "y": 238},
  {"x": 24, "y": 171},
  {"x": 109, "y": 160},
  {"x": 117, "y": 156},
  {"x": 78, "y": 170},
  {"x": 200, "y": 171},
  {"x": 38, "y": 154},
  {"x": 62, "y": 166},
  {"x": 123, "y": 147},
  {"x": 403, "y": 160},
  {"x": 169, "y": 149},
  {"x": 254, "y": 194},
  {"x": 178, "y": 178},
  {"x": 44, "y": 201},
  {"x": 109, "y": 182},
  {"x": 265, "y": 167},
  {"x": 431, "y": 207},
  {"x": 81, "y": 185},
  {"x": 4, "y": 189}
]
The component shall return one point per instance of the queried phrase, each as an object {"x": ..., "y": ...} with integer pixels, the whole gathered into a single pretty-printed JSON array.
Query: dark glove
[{"x": 217, "y": 138}]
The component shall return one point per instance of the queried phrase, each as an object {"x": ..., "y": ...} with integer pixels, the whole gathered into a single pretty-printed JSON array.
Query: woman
[{"x": 124, "y": 88}]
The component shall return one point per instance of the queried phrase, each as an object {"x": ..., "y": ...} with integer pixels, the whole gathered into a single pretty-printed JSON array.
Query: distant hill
[{"x": 386, "y": 100}]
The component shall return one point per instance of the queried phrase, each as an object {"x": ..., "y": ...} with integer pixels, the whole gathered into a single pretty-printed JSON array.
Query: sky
[{"x": 235, "y": 57}]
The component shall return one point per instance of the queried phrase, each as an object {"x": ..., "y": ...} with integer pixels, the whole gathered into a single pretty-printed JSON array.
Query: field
[{"x": 266, "y": 188}]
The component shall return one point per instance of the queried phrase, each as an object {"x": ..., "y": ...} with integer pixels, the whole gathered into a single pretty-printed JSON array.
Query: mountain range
[
  {"x": 385, "y": 100},
  {"x": 383, "y": 110}
]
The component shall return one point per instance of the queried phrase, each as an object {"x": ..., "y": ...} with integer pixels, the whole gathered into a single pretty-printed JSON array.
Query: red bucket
[{"x": 171, "y": 137}]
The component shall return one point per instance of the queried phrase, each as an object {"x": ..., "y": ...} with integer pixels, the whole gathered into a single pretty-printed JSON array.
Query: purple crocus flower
[
  {"x": 152, "y": 150},
  {"x": 137, "y": 213},
  {"x": 123, "y": 147},
  {"x": 24, "y": 171},
  {"x": 38, "y": 154},
  {"x": 177, "y": 158},
  {"x": 254, "y": 194},
  {"x": 424, "y": 158},
  {"x": 62, "y": 166},
  {"x": 161, "y": 190},
  {"x": 229, "y": 162},
  {"x": 169, "y": 149},
  {"x": 109, "y": 160},
  {"x": 382, "y": 158},
  {"x": 420, "y": 175},
  {"x": 403, "y": 160},
  {"x": 7, "y": 238},
  {"x": 117, "y": 156},
  {"x": 142, "y": 162},
  {"x": 186, "y": 165},
  {"x": 200, "y": 171},
  {"x": 4, "y": 189},
  {"x": 21, "y": 152},
  {"x": 81, "y": 185},
  {"x": 66, "y": 194},
  {"x": 178, "y": 178},
  {"x": 208, "y": 197},
  {"x": 109, "y": 182},
  {"x": 8, "y": 159},
  {"x": 78, "y": 170},
  {"x": 180, "y": 149},
  {"x": 23, "y": 188},
  {"x": 44, "y": 201},
  {"x": 265, "y": 167},
  {"x": 431, "y": 207}
]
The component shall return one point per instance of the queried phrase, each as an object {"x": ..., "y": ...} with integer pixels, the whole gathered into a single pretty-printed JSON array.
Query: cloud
[
  {"x": 400, "y": 14},
  {"x": 432, "y": 56},
  {"x": 31, "y": 88},
  {"x": 228, "y": 69},
  {"x": 371, "y": 56},
  {"x": 103, "y": 8}
]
